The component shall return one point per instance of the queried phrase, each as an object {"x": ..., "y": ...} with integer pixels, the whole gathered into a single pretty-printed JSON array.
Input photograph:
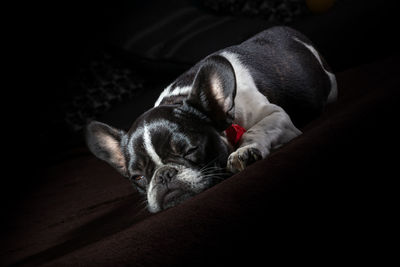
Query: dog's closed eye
[
  {"x": 190, "y": 154},
  {"x": 182, "y": 148},
  {"x": 191, "y": 151}
]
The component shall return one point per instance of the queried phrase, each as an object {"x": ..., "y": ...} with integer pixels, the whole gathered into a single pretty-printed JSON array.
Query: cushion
[{"x": 323, "y": 190}]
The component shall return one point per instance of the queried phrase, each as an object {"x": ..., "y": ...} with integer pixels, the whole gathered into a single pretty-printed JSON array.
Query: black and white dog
[{"x": 180, "y": 147}]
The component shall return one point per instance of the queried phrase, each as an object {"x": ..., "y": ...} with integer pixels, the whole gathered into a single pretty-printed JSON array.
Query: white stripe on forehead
[
  {"x": 148, "y": 145},
  {"x": 138, "y": 132},
  {"x": 146, "y": 131}
]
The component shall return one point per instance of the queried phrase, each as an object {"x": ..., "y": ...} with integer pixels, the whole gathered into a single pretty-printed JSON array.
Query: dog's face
[{"x": 173, "y": 152}]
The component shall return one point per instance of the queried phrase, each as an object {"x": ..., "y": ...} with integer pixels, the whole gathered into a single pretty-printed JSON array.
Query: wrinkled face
[{"x": 171, "y": 158}]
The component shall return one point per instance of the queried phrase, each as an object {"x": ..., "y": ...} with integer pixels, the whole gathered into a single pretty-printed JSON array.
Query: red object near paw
[{"x": 234, "y": 133}]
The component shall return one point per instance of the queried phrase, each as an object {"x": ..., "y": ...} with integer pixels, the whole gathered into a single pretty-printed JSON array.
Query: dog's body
[{"x": 179, "y": 148}]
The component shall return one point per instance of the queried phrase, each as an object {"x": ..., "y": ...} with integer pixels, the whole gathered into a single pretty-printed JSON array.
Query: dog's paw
[{"x": 242, "y": 158}]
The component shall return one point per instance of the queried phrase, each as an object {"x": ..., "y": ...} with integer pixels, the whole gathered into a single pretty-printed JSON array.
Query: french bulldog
[{"x": 180, "y": 147}]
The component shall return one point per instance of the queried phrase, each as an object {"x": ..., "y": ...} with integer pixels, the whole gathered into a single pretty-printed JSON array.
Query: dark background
[
  {"x": 57, "y": 40},
  {"x": 56, "y": 44},
  {"x": 67, "y": 56}
]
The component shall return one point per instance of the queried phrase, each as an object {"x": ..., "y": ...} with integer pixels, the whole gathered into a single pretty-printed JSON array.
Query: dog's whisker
[
  {"x": 212, "y": 171},
  {"x": 219, "y": 175},
  {"x": 212, "y": 168},
  {"x": 211, "y": 161},
  {"x": 142, "y": 205},
  {"x": 215, "y": 171},
  {"x": 218, "y": 178}
]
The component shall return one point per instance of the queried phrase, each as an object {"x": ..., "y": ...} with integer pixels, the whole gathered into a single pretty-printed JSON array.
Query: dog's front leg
[{"x": 271, "y": 132}]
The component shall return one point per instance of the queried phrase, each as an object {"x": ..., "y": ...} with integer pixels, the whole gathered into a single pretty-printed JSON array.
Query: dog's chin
[
  {"x": 166, "y": 199},
  {"x": 162, "y": 198},
  {"x": 175, "y": 197}
]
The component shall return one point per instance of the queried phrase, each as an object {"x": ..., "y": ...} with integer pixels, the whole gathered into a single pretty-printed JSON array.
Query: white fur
[
  {"x": 249, "y": 102},
  {"x": 152, "y": 197},
  {"x": 177, "y": 91},
  {"x": 268, "y": 125},
  {"x": 149, "y": 146},
  {"x": 154, "y": 125},
  {"x": 274, "y": 130},
  {"x": 334, "y": 92},
  {"x": 132, "y": 155},
  {"x": 162, "y": 95},
  {"x": 191, "y": 178},
  {"x": 252, "y": 107}
]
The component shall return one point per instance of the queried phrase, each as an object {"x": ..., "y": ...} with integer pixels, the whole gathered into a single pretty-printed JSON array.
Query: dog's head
[{"x": 173, "y": 152}]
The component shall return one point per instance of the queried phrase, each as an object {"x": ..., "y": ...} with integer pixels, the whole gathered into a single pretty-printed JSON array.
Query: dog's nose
[{"x": 165, "y": 175}]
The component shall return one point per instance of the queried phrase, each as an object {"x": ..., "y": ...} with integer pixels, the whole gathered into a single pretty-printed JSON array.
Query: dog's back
[{"x": 288, "y": 70}]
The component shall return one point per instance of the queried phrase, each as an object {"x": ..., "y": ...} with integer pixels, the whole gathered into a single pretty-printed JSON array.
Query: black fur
[
  {"x": 186, "y": 129},
  {"x": 284, "y": 70}
]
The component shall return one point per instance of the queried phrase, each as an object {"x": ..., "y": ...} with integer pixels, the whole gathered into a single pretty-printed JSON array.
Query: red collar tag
[{"x": 234, "y": 133}]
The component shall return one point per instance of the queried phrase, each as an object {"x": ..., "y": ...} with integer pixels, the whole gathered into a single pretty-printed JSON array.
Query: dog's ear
[
  {"x": 105, "y": 143},
  {"x": 214, "y": 90}
]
